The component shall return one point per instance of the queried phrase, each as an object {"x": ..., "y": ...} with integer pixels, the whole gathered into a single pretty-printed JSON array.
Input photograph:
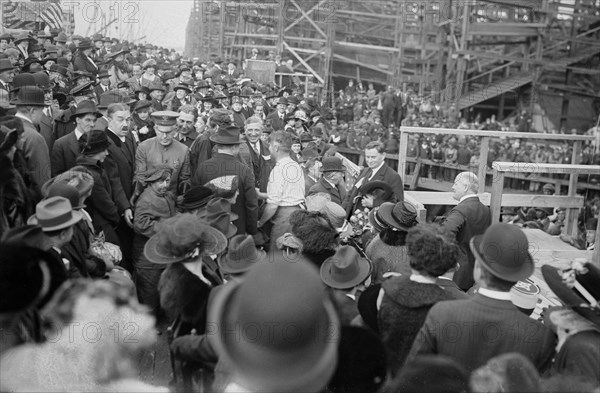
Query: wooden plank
[
  {"x": 483, "y": 157},
  {"x": 415, "y": 177},
  {"x": 510, "y": 200},
  {"x": 496, "y": 200},
  {"x": 528, "y": 167},
  {"x": 596, "y": 253},
  {"x": 402, "y": 151},
  {"x": 496, "y": 134}
]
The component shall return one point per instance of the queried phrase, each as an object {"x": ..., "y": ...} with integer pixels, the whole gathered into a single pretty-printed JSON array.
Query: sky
[{"x": 160, "y": 22}]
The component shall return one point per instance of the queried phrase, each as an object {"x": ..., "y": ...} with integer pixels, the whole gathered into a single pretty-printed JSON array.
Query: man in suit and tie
[
  {"x": 66, "y": 149},
  {"x": 7, "y": 74},
  {"x": 259, "y": 152},
  {"x": 135, "y": 82},
  {"x": 467, "y": 219},
  {"x": 186, "y": 125},
  {"x": 475, "y": 330},
  {"x": 104, "y": 85},
  {"x": 376, "y": 169},
  {"x": 277, "y": 117},
  {"x": 332, "y": 180},
  {"x": 83, "y": 60}
]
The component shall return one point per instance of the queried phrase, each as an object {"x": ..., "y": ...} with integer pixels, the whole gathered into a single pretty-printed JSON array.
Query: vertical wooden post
[
  {"x": 403, "y": 149},
  {"x": 483, "y": 156},
  {"x": 571, "y": 218},
  {"x": 496, "y": 197},
  {"x": 596, "y": 253}
]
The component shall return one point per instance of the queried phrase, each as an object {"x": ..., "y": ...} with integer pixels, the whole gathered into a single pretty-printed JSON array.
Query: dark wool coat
[
  {"x": 402, "y": 313},
  {"x": 183, "y": 295}
]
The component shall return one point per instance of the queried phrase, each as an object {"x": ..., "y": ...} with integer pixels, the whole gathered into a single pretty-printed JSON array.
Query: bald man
[{"x": 467, "y": 219}]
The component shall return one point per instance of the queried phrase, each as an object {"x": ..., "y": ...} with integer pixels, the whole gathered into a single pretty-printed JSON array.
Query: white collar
[
  {"x": 330, "y": 183},
  {"x": 376, "y": 169},
  {"x": 22, "y": 116},
  {"x": 421, "y": 279},
  {"x": 498, "y": 295},
  {"x": 467, "y": 196},
  {"x": 78, "y": 134}
]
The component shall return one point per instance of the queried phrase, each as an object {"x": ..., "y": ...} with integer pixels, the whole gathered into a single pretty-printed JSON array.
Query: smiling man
[
  {"x": 376, "y": 169},
  {"x": 259, "y": 152}
]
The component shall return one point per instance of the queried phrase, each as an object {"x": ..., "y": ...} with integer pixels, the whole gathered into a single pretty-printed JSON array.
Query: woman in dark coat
[
  {"x": 143, "y": 125},
  {"x": 408, "y": 298}
]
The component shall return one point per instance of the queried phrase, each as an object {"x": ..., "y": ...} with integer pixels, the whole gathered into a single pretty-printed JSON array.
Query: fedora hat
[
  {"x": 23, "y": 37},
  {"x": 93, "y": 142},
  {"x": 29, "y": 96},
  {"x": 103, "y": 73},
  {"x": 242, "y": 254},
  {"x": 182, "y": 86},
  {"x": 283, "y": 101},
  {"x": 112, "y": 97},
  {"x": 6, "y": 65},
  {"x": 86, "y": 107},
  {"x": 345, "y": 269},
  {"x": 503, "y": 251},
  {"x": 310, "y": 152},
  {"x": 185, "y": 237},
  {"x": 54, "y": 213},
  {"x": 399, "y": 216},
  {"x": 385, "y": 193},
  {"x": 195, "y": 198},
  {"x": 332, "y": 164},
  {"x": 156, "y": 86},
  {"x": 588, "y": 278},
  {"x": 282, "y": 294},
  {"x": 218, "y": 215},
  {"x": 306, "y": 137},
  {"x": 230, "y": 135},
  {"x": 85, "y": 43}
]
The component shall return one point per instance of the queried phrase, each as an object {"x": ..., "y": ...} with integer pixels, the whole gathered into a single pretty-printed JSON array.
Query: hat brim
[
  {"x": 76, "y": 217},
  {"x": 385, "y": 215},
  {"x": 377, "y": 184},
  {"x": 364, "y": 269},
  {"x": 220, "y": 141},
  {"x": 214, "y": 245},
  {"x": 513, "y": 275},
  {"x": 312, "y": 369},
  {"x": 228, "y": 266},
  {"x": 341, "y": 169}
]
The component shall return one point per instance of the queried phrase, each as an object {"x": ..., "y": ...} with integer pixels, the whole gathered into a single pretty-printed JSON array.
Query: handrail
[{"x": 499, "y": 134}]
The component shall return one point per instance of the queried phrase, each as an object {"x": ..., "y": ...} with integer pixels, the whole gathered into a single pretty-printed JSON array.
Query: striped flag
[{"x": 52, "y": 15}]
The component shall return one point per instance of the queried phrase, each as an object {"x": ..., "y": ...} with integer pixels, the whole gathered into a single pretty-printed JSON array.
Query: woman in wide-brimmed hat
[
  {"x": 144, "y": 126},
  {"x": 388, "y": 250}
]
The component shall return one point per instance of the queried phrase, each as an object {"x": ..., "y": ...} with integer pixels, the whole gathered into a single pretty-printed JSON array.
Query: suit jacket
[
  {"x": 385, "y": 174},
  {"x": 246, "y": 205},
  {"x": 276, "y": 122},
  {"x": 338, "y": 194},
  {"x": 261, "y": 167},
  {"x": 47, "y": 130},
  {"x": 475, "y": 330},
  {"x": 134, "y": 83},
  {"x": 64, "y": 123},
  {"x": 122, "y": 154},
  {"x": 98, "y": 90},
  {"x": 308, "y": 183},
  {"x": 467, "y": 219},
  {"x": 82, "y": 63},
  {"x": 64, "y": 154},
  {"x": 36, "y": 153}
]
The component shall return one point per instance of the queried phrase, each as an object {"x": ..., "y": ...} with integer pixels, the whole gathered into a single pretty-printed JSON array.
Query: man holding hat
[
  {"x": 332, "y": 180},
  {"x": 30, "y": 103},
  {"x": 225, "y": 163},
  {"x": 163, "y": 149},
  {"x": 66, "y": 149},
  {"x": 475, "y": 330}
]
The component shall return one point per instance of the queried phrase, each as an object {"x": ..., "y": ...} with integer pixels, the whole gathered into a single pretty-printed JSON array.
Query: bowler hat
[
  {"x": 93, "y": 142},
  {"x": 218, "y": 215},
  {"x": 164, "y": 118},
  {"x": 86, "y": 107},
  {"x": 54, "y": 213},
  {"x": 242, "y": 254},
  {"x": 185, "y": 237},
  {"x": 345, "y": 269},
  {"x": 42, "y": 80},
  {"x": 5, "y": 65},
  {"x": 503, "y": 251},
  {"x": 29, "y": 96},
  {"x": 195, "y": 198},
  {"x": 103, "y": 73},
  {"x": 230, "y": 135},
  {"x": 588, "y": 277},
  {"x": 332, "y": 164},
  {"x": 399, "y": 216},
  {"x": 282, "y": 295}
]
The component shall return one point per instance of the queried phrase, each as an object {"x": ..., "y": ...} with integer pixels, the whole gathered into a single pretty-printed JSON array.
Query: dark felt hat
[
  {"x": 54, "y": 213},
  {"x": 24, "y": 79},
  {"x": 281, "y": 294},
  {"x": 218, "y": 215},
  {"x": 345, "y": 269},
  {"x": 306, "y": 137},
  {"x": 142, "y": 104},
  {"x": 241, "y": 255},
  {"x": 85, "y": 44},
  {"x": 371, "y": 187},
  {"x": 230, "y": 135},
  {"x": 29, "y": 96},
  {"x": 65, "y": 190},
  {"x": 399, "y": 216},
  {"x": 182, "y": 86},
  {"x": 185, "y": 237},
  {"x": 83, "y": 90},
  {"x": 156, "y": 86},
  {"x": 43, "y": 81},
  {"x": 93, "y": 142},
  {"x": 195, "y": 198},
  {"x": 6, "y": 65},
  {"x": 86, "y": 107},
  {"x": 332, "y": 164},
  {"x": 503, "y": 251},
  {"x": 64, "y": 71}
]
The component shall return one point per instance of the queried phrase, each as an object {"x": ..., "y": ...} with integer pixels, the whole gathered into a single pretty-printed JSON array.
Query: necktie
[
  {"x": 257, "y": 148},
  {"x": 369, "y": 174}
]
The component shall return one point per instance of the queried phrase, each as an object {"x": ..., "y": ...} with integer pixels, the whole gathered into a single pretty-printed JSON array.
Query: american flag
[{"x": 52, "y": 14}]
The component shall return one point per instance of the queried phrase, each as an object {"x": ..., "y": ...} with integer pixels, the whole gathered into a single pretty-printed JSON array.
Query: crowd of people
[{"x": 140, "y": 190}]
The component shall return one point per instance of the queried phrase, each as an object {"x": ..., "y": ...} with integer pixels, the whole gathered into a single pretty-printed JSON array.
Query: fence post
[
  {"x": 496, "y": 197},
  {"x": 483, "y": 156},
  {"x": 402, "y": 150},
  {"x": 571, "y": 218}
]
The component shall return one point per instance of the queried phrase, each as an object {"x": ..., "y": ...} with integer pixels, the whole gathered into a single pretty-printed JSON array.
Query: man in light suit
[
  {"x": 66, "y": 149},
  {"x": 467, "y": 219},
  {"x": 475, "y": 330},
  {"x": 376, "y": 169}
]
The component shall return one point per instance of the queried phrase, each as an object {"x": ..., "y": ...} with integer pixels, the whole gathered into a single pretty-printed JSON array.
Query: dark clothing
[
  {"x": 385, "y": 174},
  {"x": 261, "y": 165},
  {"x": 276, "y": 122},
  {"x": 64, "y": 153},
  {"x": 338, "y": 194},
  {"x": 246, "y": 205},
  {"x": 580, "y": 356},
  {"x": 64, "y": 124},
  {"x": 122, "y": 154},
  {"x": 475, "y": 330},
  {"x": 469, "y": 218},
  {"x": 402, "y": 313}
]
